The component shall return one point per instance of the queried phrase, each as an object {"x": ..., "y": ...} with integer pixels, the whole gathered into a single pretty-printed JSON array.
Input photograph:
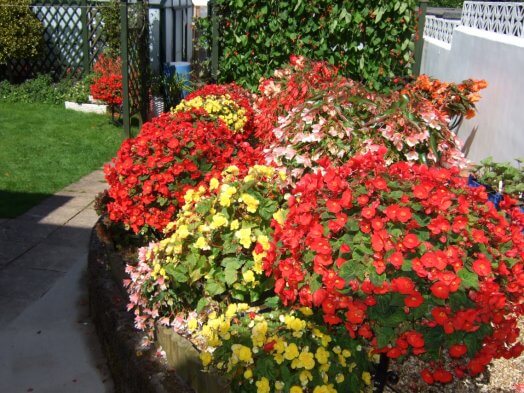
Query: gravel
[{"x": 503, "y": 376}]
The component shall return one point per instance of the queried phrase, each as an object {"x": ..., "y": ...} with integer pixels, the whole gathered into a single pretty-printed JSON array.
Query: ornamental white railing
[
  {"x": 440, "y": 29},
  {"x": 502, "y": 18}
]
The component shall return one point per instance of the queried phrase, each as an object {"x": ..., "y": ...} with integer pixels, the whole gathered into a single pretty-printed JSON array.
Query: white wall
[{"x": 498, "y": 59}]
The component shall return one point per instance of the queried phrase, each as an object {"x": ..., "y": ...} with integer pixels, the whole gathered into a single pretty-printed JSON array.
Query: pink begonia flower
[
  {"x": 412, "y": 141},
  {"x": 302, "y": 160},
  {"x": 431, "y": 156},
  {"x": 308, "y": 119},
  {"x": 412, "y": 155}
]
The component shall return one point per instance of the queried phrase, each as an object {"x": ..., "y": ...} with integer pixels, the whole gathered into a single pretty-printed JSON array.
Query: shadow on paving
[
  {"x": 48, "y": 341},
  {"x": 39, "y": 247}
]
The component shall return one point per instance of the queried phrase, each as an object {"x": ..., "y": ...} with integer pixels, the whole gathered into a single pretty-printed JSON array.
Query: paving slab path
[{"x": 47, "y": 341}]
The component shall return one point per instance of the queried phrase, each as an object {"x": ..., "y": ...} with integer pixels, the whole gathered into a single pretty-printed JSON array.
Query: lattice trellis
[
  {"x": 135, "y": 53},
  {"x": 502, "y": 18},
  {"x": 440, "y": 29},
  {"x": 67, "y": 24}
]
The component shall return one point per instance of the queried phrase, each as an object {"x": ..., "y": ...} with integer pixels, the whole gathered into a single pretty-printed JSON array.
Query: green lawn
[{"x": 43, "y": 148}]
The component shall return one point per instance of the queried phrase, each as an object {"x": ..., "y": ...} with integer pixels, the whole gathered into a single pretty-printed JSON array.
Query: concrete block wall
[{"x": 498, "y": 128}]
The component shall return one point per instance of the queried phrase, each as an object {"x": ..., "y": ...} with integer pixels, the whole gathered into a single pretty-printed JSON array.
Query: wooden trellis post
[{"x": 125, "y": 69}]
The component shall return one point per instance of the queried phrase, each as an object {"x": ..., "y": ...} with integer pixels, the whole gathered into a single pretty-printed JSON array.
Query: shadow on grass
[{"x": 13, "y": 204}]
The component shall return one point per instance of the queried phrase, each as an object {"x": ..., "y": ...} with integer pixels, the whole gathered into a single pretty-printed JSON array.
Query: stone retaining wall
[{"x": 134, "y": 369}]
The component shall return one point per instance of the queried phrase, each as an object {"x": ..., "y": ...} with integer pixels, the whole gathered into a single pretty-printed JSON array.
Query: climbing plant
[{"x": 370, "y": 40}]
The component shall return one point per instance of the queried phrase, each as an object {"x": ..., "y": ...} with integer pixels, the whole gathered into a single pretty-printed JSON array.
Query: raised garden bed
[{"x": 135, "y": 367}]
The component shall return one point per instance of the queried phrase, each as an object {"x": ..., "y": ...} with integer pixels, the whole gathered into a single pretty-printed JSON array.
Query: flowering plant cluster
[
  {"x": 450, "y": 98},
  {"x": 358, "y": 239},
  {"x": 107, "y": 82},
  {"x": 308, "y": 112},
  {"x": 172, "y": 154},
  {"x": 283, "y": 352},
  {"x": 230, "y": 103},
  {"x": 213, "y": 251},
  {"x": 408, "y": 258}
]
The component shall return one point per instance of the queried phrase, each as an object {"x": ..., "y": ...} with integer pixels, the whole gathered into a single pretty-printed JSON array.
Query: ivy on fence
[{"x": 370, "y": 40}]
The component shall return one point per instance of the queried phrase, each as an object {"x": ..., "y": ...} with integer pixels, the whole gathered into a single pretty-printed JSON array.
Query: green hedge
[
  {"x": 371, "y": 40},
  {"x": 20, "y": 31},
  {"x": 446, "y": 3}
]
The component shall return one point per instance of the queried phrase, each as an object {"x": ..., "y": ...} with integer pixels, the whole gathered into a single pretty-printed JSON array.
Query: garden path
[{"x": 48, "y": 341}]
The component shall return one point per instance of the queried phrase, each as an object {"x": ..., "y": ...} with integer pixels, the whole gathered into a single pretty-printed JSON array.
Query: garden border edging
[{"x": 133, "y": 368}]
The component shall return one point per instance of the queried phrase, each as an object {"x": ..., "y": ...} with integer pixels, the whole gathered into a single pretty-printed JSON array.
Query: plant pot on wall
[
  {"x": 157, "y": 106},
  {"x": 177, "y": 76}
]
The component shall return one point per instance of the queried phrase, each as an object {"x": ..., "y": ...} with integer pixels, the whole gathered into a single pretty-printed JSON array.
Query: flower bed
[{"x": 358, "y": 240}]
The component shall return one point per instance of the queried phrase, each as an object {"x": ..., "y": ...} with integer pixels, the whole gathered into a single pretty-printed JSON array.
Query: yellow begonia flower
[
  {"x": 339, "y": 378},
  {"x": 305, "y": 376},
  {"x": 325, "y": 389},
  {"x": 366, "y": 377},
  {"x": 234, "y": 225},
  {"x": 213, "y": 184},
  {"x": 346, "y": 353},
  {"x": 322, "y": 355},
  {"x": 248, "y": 374},
  {"x": 306, "y": 311},
  {"x": 241, "y": 307},
  {"x": 218, "y": 221},
  {"x": 282, "y": 175},
  {"x": 225, "y": 200},
  {"x": 201, "y": 244},
  {"x": 251, "y": 202},
  {"x": 248, "y": 276},
  {"x": 280, "y": 345},
  {"x": 263, "y": 385},
  {"x": 244, "y": 237},
  {"x": 233, "y": 169},
  {"x": 258, "y": 334},
  {"x": 206, "y": 358},
  {"x": 305, "y": 360},
  {"x": 188, "y": 196},
  {"x": 279, "y": 216},
  {"x": 279, "y": 385},
  {"x": 182, "y": 231},
  {"x": 264, "y": 241},
  {"x": 295, "y": 324},
  {"x": 242, "y": 353},
  {"x": 192, "y": 324},
  {"x": 231, "y": 310},
  {"x": 291, "y": 351},
  {"x": 296, "y": 389}
]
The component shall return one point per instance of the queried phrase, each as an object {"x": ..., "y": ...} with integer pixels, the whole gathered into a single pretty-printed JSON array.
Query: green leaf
[
  {"x": 178, "y": 272},
  {"x": 458, "y": 301},
  {"x": 380, "y": 13},
  {"x": 232, "y": 263},
  {"x": 469, "y": 279},
  {"x": 351, "y": 270},
  {"x": 385, "y": 335},
  {"x": 201, "y": 304},
  {"x": 203, "y": 206},
  {"x": 315, "y": 282},
  {"x": 230, "y": 275},
  {"x": 272, "y": 302},
  {"x": 214, "y": 288}
]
